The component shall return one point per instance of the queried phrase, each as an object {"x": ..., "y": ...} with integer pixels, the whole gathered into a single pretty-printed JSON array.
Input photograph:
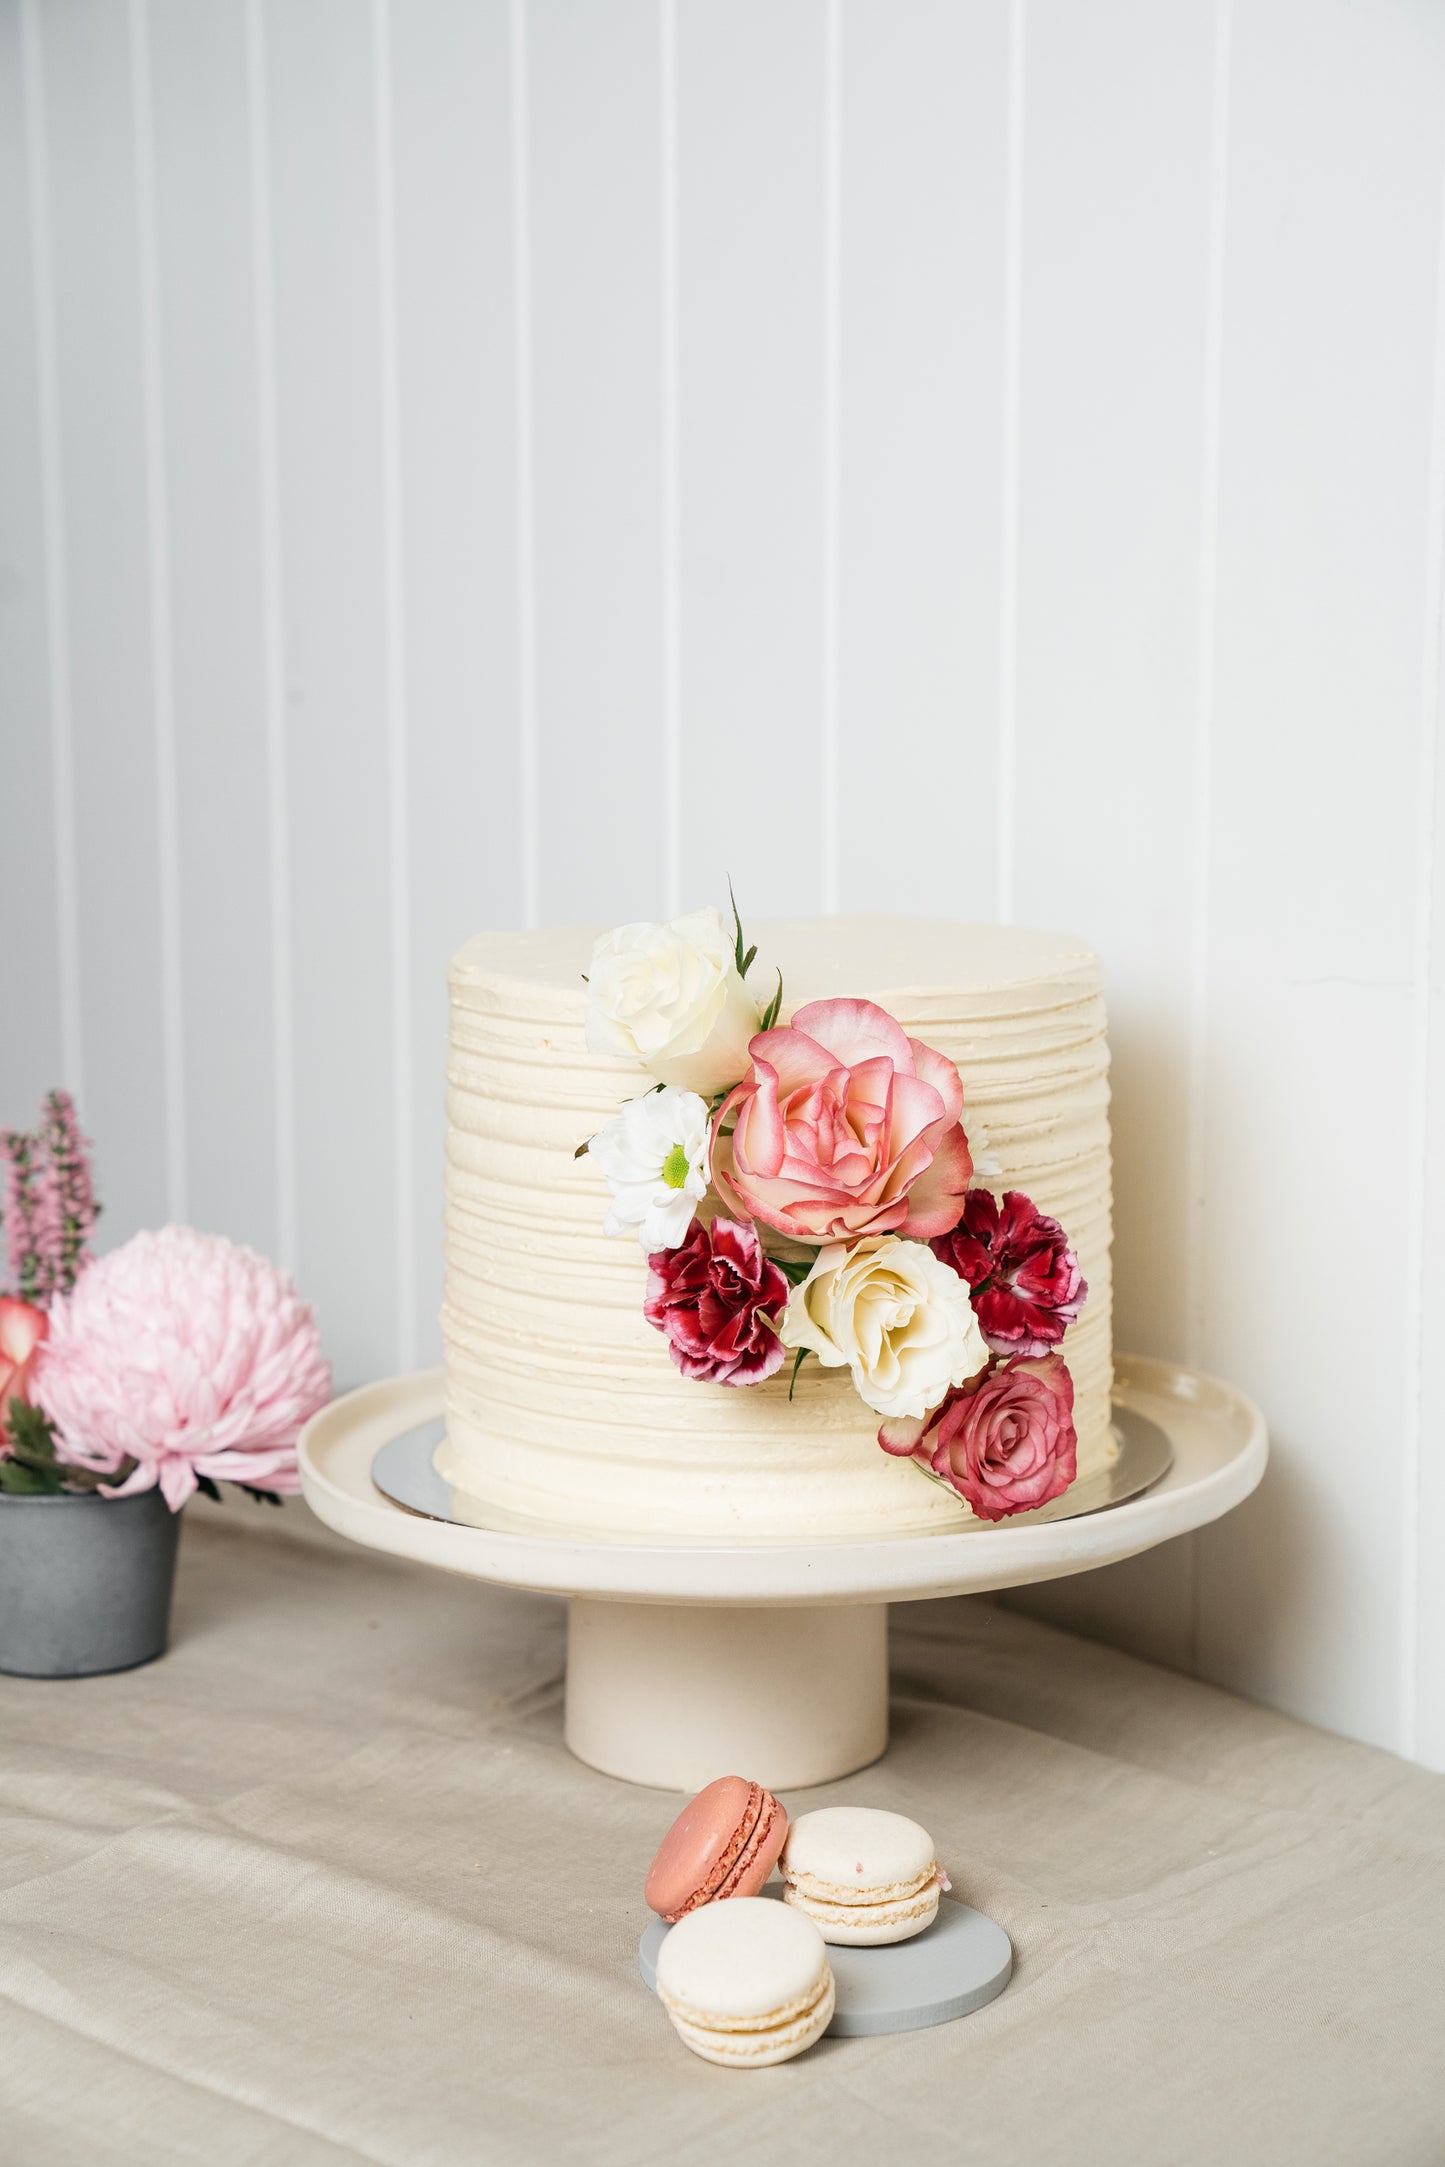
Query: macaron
[
  {"x": 862, "y": 1875},
  {"x": 746, "y": 1984},
  {"x": 725, "y": 1842}
]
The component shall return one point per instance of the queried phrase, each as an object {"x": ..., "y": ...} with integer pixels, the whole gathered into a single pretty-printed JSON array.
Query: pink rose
[
  {"x": 23, "y": 1332},
  {"x": 845, "y": 1127},
  {"x": 1024, "y": 1278},
  {"x": 713, "y": 1298},
  {"x": 1004, "y": 1439}
]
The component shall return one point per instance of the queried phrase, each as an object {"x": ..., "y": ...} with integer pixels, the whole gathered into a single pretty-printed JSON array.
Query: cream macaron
[
  {"x": 746, "y": 1983},
  {"x": 861, "y": 1875}
]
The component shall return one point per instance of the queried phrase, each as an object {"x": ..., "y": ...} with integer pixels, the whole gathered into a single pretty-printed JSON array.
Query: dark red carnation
[
  {"x": 1024, "y": 1278},
  {"x": 1004, "y": 1440},
  {"x": 712, "y": 1298}
]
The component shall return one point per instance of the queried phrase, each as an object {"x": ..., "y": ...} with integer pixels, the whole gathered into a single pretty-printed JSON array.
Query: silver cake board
[{"x": 956, "y": 1965}]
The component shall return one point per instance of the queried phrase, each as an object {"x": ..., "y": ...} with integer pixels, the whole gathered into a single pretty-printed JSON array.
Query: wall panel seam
[
  {"x": 57, "y": 602},
  {"x": 832, "y": 445},
  {"x": 1206, "y": 631},
  {"x": 526, "y": 513},
  {"x": 671, "y": 507},
  {"x": 273, "y": 634},
  {"x": 396, "y": 703},
  {"x": 1009, "y": 481},
  {"x": 1426, "y": 845},
  {"x": 162, "y": 654}
]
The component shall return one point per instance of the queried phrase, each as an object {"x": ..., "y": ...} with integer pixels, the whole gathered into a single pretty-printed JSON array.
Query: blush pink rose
[
  {"x": 713, "y": 1297},
  {"x": 844, "y": 1127},
  {"x": 23, "y": 1332},
  {"x": 1004, "y": 1440}
]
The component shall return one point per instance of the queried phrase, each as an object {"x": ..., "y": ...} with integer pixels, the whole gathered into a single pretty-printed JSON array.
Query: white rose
[
  {"x": 670, "y": 997},
  {"x": 900, "y": 1319},
  {"x": 654, "y": 1154}
]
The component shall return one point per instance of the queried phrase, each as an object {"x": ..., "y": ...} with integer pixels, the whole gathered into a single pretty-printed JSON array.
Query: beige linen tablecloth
[{"x": 325, "y": 1886}]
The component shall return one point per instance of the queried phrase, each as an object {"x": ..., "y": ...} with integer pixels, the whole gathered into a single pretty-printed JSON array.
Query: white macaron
[
  {"x": 746, "y": 1983},
  {"x": 861, "y": 1875}
]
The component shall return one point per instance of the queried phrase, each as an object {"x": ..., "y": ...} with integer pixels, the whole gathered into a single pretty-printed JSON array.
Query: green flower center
[{"x": 675, "y": 1169}]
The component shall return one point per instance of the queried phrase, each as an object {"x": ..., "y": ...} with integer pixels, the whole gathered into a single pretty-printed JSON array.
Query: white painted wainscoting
[{"x": 465, "y": 463}]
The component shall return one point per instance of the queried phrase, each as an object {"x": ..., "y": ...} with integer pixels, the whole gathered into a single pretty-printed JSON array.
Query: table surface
[{"x": 324, "y": 1886}]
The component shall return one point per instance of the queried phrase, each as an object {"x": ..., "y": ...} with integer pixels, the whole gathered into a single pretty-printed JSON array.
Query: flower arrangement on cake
[
  {"x": 812, "y": 1188},
  {"x": 177, "y": 1361}
]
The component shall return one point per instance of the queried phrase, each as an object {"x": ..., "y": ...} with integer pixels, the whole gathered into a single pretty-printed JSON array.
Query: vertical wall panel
[
  {"x": 208, "y": 345},
  {"x": 923, "y": 115},
  {"x": 1329, "y": 318},
  {"x": 750, "y": 204},
  {"x": 30, "y": 1040},
  {"x": 1425, "y": 1512},
  {"x": 455, "y": 352},
  {"x": 320, "y": 95},
  {"x": 596, "y": 346},
  {"x": 100, "y": 390},
  {"x": 1113, "y": 337}
]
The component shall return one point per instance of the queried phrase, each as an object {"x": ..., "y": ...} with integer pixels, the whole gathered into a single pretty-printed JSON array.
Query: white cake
[{"x": 563, "y": 1407}]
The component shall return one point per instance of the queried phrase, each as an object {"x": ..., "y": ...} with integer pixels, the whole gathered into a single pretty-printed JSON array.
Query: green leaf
[
  {"x": 798, "y": 1361},
  {"x": 207, "y": 1488},
  {"x": 262, "y": 1497},
  {"x": 770, "y": 1013},
  {"x": 91, "y": 1478},
  {"x": 32, "y": 1434},
  {"x": 794, "y": 1269},
  {"x": 738, "y": 943},
  {"x": 749, "y": 958},
  {"x": 17, "y": 1480}
]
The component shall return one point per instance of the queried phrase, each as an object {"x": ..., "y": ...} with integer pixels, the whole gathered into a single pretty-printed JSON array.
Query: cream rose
[
  {"x": 899, "y": 1319},
  {"x": 670, "y": 997}
]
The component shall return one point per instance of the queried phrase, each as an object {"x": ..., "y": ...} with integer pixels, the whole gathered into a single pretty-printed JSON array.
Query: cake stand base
[{"x": 672, "y": 1697}]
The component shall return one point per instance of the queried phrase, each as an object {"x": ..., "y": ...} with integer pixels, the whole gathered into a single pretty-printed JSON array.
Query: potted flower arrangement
[{"x": 127, "y": 1382}]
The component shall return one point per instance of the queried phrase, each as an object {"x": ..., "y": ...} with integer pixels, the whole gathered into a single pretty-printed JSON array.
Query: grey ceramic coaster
[{"x": 952, "y": 1968}]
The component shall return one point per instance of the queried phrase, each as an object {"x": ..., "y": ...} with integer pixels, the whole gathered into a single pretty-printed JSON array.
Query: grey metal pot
[{"x": 85, "y": 1583}]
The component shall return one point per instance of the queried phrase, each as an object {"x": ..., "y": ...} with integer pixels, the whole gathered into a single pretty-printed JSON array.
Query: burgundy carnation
[
  {"x": 1004, "y": 1440},
  {"x": 712, "y": 1297},
  {"x": 1024, "y": 1278}
]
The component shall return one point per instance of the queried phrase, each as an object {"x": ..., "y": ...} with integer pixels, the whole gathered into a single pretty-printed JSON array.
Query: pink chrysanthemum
[{"x": 188, "y": 1355}]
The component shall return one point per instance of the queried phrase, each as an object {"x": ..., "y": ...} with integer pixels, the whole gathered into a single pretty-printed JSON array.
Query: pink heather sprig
[
  {"x": 50, "y": 1206},
  {"x": 68, "y": 1196},
  {"x": 21, "y": 1212}
]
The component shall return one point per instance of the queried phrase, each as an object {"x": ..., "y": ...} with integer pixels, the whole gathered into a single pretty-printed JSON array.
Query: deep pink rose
[
  {"x": 844, "y": 1127},
  {"x": 1025, "y": 1279},
  {"x": 23, "y": 1332},
  {"x": 712, "y": 1298},
  {"x": 1004, "y": 1439}
]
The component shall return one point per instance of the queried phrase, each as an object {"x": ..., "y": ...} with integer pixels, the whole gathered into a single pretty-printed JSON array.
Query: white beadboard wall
[{"x": 467, "y": 463}]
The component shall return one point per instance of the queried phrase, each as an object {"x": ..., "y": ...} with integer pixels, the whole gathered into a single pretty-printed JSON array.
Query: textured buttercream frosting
[{"x": 563, "y": 1404}]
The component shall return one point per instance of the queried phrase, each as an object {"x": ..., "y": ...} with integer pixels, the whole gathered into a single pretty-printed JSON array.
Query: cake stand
[{"x": 686, "y": 1661}]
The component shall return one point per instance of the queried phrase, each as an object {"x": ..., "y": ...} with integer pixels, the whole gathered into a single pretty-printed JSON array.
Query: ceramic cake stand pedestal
[{"x": 684, "y": 1662}]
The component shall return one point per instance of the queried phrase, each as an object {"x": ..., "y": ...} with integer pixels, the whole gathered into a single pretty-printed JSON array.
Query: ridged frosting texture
[{"x": 562, "y": 1401}]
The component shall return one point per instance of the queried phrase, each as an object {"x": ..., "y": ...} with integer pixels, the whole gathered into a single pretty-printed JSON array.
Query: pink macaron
[{"x": 724, "y": 1843}]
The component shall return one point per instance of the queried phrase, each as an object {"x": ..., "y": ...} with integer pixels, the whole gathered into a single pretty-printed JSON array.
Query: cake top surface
[{"x": 871, "y": 958}]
